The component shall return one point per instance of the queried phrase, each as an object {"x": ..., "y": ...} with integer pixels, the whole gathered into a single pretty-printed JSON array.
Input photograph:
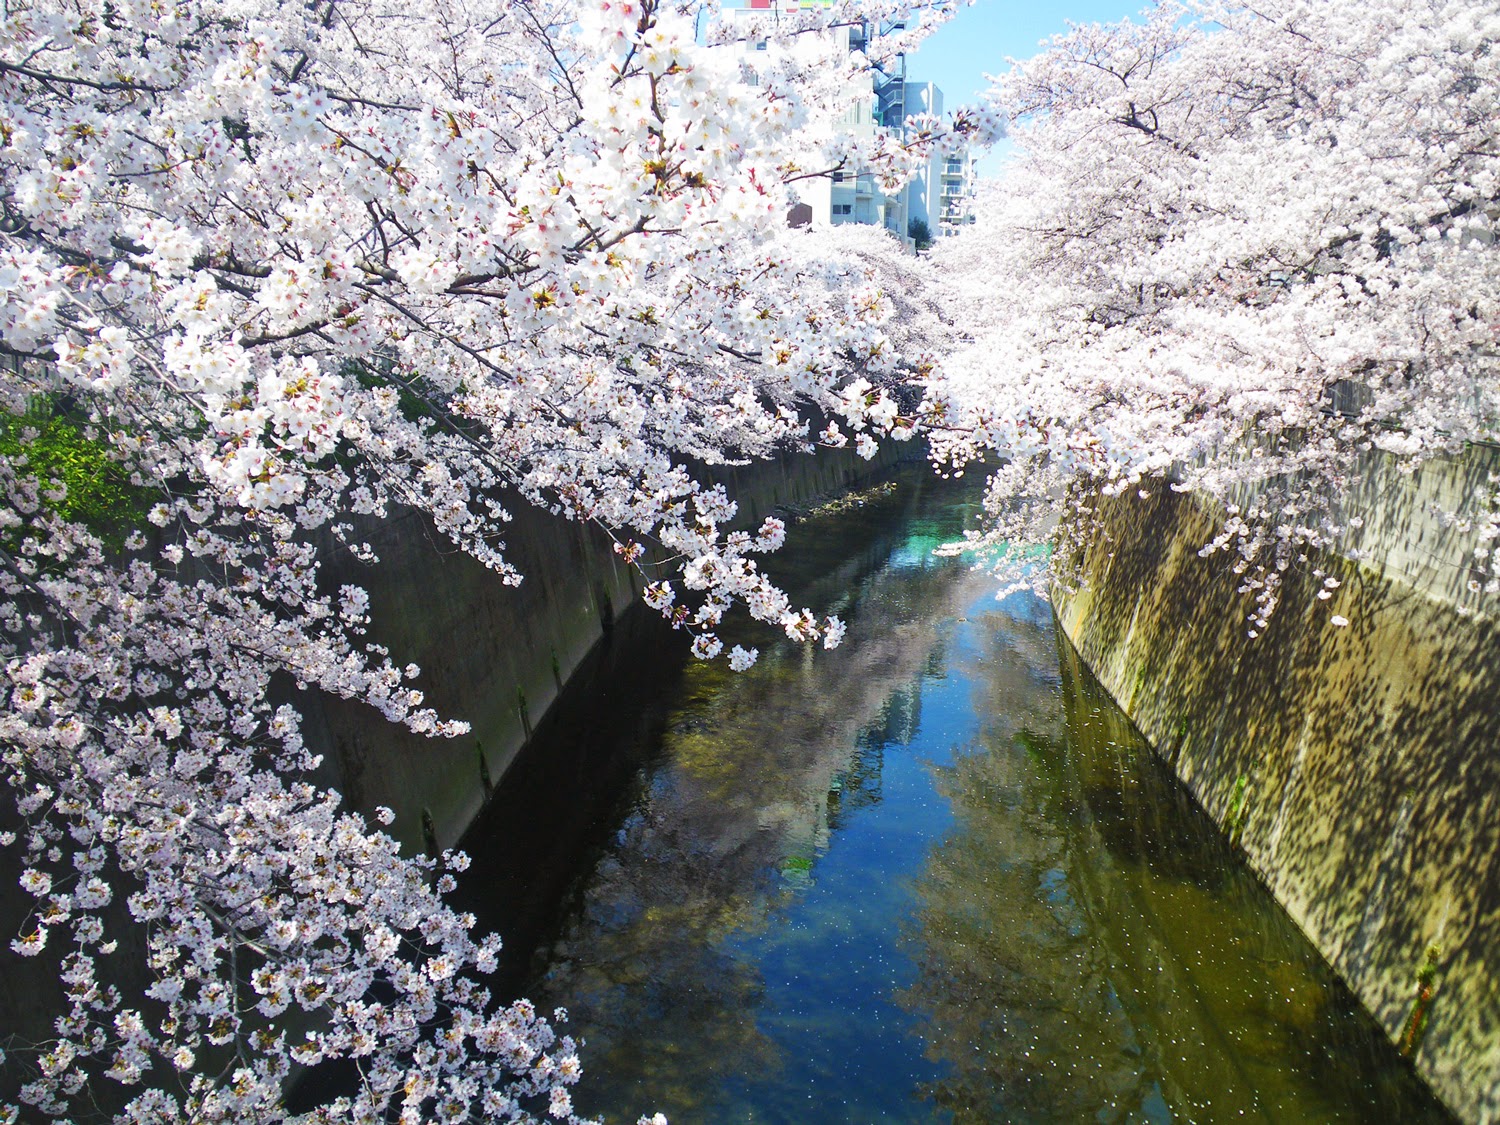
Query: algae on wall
[{"x": 1357, "y": 766}]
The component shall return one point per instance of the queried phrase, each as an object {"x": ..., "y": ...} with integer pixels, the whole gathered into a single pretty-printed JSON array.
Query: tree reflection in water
[
  {"x": 928, "y": 876},
  {"x": 753, "y": 773},
  {"x": 1090, "y": 949}
]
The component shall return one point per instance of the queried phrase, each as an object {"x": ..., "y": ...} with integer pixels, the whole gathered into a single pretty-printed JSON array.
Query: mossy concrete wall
[
  {"x": 1357, "y": 766},
  {"x": 496, "y": 655}
]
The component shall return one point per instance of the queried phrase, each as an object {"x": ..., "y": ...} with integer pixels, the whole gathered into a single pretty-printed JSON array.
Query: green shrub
[{"x": 99, "y": 494}]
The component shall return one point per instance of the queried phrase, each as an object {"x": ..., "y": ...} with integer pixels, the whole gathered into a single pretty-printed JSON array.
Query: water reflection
[
  {"x": 930, "y": 876},
  {"x": 1126, "y": 967}
]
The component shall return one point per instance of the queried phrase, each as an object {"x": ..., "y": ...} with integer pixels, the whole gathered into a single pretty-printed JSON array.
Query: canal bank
[
  {"x": 496, "y": 655},
  {"x": 1355, "y": 765},
  {"x": 932, "y": 876}
]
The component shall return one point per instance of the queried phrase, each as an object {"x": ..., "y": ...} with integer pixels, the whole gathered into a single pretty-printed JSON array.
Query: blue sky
[{"x": 977, "y": 40}]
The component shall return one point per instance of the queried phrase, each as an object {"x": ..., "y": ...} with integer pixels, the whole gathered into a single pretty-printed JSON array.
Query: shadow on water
[{"x": 931, "y": 876}]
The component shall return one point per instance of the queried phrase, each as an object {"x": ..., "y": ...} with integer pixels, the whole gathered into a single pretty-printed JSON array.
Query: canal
[{"x": 933, "y": 875}]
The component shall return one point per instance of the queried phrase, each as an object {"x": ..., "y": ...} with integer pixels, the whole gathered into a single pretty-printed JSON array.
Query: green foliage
[
  {"x": 410, "y": 401},
  {"x": 1234, "y": 822},
  {"x": 1415, "y": 1028},
  {"x": 920, "y": 233},
  {"x": 57, "y": 451}
]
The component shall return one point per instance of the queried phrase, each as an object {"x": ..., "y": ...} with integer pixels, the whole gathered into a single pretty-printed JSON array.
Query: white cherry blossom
[
  {"x": 1238, "y": 248},
  {"x": 271, "y": 266}
]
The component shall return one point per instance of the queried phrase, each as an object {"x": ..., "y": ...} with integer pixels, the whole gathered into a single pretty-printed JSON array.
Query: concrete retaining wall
[
  {"x": 1359, "y": 767},
  {"x": 495, "y": 655}
]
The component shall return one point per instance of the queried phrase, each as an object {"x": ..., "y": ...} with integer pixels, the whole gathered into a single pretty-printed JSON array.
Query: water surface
[{"x": 931, "y": 876}]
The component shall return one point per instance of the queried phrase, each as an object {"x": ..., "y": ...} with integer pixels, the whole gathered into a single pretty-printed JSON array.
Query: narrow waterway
[{"x": 931, "y": 876}]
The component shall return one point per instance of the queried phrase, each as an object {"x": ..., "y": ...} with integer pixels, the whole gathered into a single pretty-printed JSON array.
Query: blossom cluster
[
  {"x": 1239, "y": 249},
  {"x": 279, "y": 268}
]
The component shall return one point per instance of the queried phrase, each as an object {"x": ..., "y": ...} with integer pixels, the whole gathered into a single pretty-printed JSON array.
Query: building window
[
  {"x": 840, "y": 177},
  {"x": 843, "y": 208}
]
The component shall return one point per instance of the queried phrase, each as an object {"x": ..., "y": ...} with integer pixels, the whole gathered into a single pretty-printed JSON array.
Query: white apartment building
[
  {"x": 922, "y": 190},
  {"x": 851, "y": 194},
  {"x": 884, "y": 102},
  {"x": 955, "y": 192}
]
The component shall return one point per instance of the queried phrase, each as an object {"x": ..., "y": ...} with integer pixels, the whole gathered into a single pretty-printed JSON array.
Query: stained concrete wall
[
  {"x": 495, "y": 655},
  {"x": 483, "y": 647},
  {"x": 1358, "y": 767}
]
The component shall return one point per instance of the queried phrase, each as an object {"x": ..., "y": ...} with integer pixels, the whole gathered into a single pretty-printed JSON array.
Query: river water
[{"x": 931, "y": 876}]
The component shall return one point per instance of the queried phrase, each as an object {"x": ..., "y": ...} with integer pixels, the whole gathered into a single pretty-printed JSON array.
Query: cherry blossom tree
[
  {"x": 271, "y": 269},
  {"x": 1238, "y": 248}
]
